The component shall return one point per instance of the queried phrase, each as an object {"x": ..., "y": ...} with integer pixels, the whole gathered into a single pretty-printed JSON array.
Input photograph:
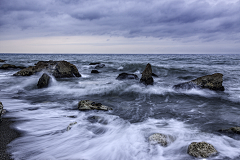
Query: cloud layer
[{"x": 204, "y": 20}]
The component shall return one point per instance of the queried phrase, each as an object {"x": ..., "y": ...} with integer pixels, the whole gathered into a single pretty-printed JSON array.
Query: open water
[{"x": 43, "y": 115}]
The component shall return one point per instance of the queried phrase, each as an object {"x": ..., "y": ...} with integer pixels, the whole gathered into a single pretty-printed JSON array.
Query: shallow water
[{"x": 43, "y": 115}]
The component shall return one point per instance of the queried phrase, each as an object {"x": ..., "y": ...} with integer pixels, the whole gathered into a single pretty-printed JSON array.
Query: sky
[{"x": 120, "y": 26}]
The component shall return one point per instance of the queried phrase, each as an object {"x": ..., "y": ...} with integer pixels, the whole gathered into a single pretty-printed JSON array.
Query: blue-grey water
[{"x": 43, "y": 115}]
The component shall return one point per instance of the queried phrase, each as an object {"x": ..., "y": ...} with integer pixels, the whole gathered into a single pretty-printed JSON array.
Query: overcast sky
[{"x": 120, "y": 26}]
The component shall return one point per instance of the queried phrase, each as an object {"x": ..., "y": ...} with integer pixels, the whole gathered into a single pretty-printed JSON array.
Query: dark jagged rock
[
  {"x": 90, "y": 105},
  {"x": 124, "y": 76},
  {"x": 154, "y": 75},
  {"x": 94, "y": 63},
  {"x": 100, "y": 66},
  {"x": 43, "y": 81},
  {"x": 201, "y": 149},
  {"x": 212, "y": 82},
  {"x": 147, "y": 75},
  {"x": 10, "y": 66},
  {"x": 59, "y": 69},
  {"x": 95, "y": 71},
  {"x": 2, "y": 111},
  {"x": 2, "y": 60},
  {"x": 231, "y": 130}
]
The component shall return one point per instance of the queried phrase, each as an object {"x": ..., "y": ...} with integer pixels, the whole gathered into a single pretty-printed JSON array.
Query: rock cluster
[
  {"x": 124, "y": 76},
  {"x": 212, "y": 82},
  {"x": 10, "y": 66},
  {"x": 90, "y": 105},
  {"x": 201, "y": 149},
  {"x": 59, "y": 69},
  {"x": 44, "y": 81},
  {"x": 147, "y": 75}
]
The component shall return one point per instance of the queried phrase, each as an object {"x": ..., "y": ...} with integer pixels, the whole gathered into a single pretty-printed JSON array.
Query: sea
[{"x": 196, "y": 115}]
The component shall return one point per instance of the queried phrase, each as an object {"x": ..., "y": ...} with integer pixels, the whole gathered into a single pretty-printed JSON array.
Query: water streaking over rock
[{"x": 147, "y": 121}]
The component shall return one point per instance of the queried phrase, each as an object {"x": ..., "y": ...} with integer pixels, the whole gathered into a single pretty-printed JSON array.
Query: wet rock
[
  {"x": 59, "y": 69},
  {"x": 201, "y": 149},
  {"x": 154, "y": 75},
  {"x": 90, "y": 105},
  {"x": 2, "y": 60},
  {"x": 100, "y": 66},
  {"x": 10, "y": 66},
  {"x": 231, "y": 130},
  {"x": 95, "y": 63},
  {"x": 70, "y": 125},
  {"x": 2, "y": 111},
  {"x": 95, "y": 71},
  {"x": 97, "y": 119},
  {"x": 124, "y": 76},
  {"x": 43, "y": 81},
  {"x": 158, "y": 138},
  {"x": 212, "y": 82},
  {"x": 147, "y": 75}
]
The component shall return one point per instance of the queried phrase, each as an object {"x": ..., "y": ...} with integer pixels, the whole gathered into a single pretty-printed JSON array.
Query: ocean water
[{"x": 43, "y": 115}]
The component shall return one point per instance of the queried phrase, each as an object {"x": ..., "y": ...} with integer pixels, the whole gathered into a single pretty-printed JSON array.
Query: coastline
[{"x": 7, "y": 134}]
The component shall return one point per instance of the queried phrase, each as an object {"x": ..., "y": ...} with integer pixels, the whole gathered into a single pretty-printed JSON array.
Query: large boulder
[
  {"x": 147, "y": 75},
  {"x": 158, "y": 138},
  {"x": 59, "y": 69},
  {"x": 10, "y": 66},
  {"x": 124, "y": 76},
  {"x": 231, "y": 130},
  {"x": 2, "y": 60},
  {"x": 90, "y": 105},
  {"x": 212, "y": 82},
  {"x": 201, "y": 149},
  {"x": 43, "y": 81}
]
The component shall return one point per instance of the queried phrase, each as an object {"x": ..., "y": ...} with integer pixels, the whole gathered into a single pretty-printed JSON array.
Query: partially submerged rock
[
  {"x": 43, "y": 81},
  {"x": 90, "y": 105},
  {"x": 59, "y": 69},
  {"x": 212, "y": 82},
  {"x": 70, "y": 125},
  {"x": 158, "y": 138},
  {"x": 95, "y": 71},
  {"x": 2, "y": 60},
  {"x": 10, "y": 66},
  {"x": 100, "y": 66},
  {"x": 124, "y": 76},
  {"x": 231, "y": 130},
  {"x": 2, "y": 111},
  {"x": 147, "y": 75},
  {"x": 201, "y": 149},
  {"x": 94, "y": 63}
]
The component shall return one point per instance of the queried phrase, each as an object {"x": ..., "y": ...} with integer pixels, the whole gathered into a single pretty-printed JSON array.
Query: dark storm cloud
[{"x": 175, "y": 19}]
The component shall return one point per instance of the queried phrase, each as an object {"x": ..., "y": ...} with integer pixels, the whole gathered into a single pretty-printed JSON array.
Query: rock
[
  {"x": 70, "y": 125},
  {"x": 124, "y": 76},
  {"x": 95, "y": 71},
  {"x": 10, "y": 66},
  {"x": 147, "y": 75},
  {"x": 2, "y": 111},
  {"x": 59, "y": 69},
  {"x": 43, "y": 81},
  {"x": 231, "y": 130},
  {"x": 2, "y": 60},
  {"x": 212, "y": 82},
  {"x": 201, "y": 149},
  {"x": 90, "y": 105},
  {"x": 100, "y": 66},
  {"x": 154, "y": 75},
  {"x": 158, "y": 138},
  {"x": 94, "y": 63}
]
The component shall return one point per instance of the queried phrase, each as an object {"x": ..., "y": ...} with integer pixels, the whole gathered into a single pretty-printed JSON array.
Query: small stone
[
  {"x": 90, "y": 105},
  {"x": 100, "y": 66},
  {"x": 158, "y": 138},
  {"x": 201, "y": 149},
  {"x": 70, "y": 125},
  {"x": 95, "y": 71},
  {"x": 124, "y": 76},
  {"x": 44, "y": 81},
  {"x": 94, "y": 63}
]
